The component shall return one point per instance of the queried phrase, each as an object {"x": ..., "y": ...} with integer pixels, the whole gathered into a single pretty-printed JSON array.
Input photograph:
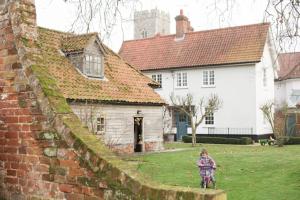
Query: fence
[{"x": 229, "y": 131}]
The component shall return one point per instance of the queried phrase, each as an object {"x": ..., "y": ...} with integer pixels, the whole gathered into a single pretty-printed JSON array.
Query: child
[{"x": 207, "y": 167}]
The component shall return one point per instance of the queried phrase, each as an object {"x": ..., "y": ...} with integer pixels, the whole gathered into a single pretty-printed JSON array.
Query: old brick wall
[
  {"x": 45, "y": 151},
  {"x": 34, "y": 160}
]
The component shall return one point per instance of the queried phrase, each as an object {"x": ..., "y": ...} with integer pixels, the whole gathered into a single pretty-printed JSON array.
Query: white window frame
[
  {"x": 265, "y": 77},
  {"x": 181, "y": 80},
  {"x": 210, "y": 119},
  {"x": 93, "y": 65},
  {"x": 208, "y": 78},
  {"x": 157, "y": 78},
  {"x": 100, "y": 125}
]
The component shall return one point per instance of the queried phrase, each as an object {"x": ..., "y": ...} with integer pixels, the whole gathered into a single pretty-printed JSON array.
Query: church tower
[{"x": 149, "y": 23}]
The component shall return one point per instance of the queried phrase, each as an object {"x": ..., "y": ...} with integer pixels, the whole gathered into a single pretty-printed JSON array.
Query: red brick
[
  {"x": 65, "y": 188},
  {"x": 11, "y": 172},
  {"x": 71, "y": 196},
  {"x": 42, "y": 168},
  {"x": 12, "y": 135},
  {"x": 11, "y": 150},
  {"x": 12, "y": 142},
  {"x": 14, "y": 165},
  {"x": 11, "y": 180},
  {"x": 3, "y": 157},
  {"x": 13, "y": 119},
  {"x": 26, "y": 127},
  {"x": 20, "y": 173},
  {"x": 25, "y": 119}
]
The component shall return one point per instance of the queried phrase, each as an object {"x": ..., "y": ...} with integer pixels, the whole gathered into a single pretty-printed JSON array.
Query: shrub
[
  {"x": 293, "y": 140},
  {"x": 282, "y": 140},
  {"x": 218, "y": 140},
  {"x": 246, "y": 140}
]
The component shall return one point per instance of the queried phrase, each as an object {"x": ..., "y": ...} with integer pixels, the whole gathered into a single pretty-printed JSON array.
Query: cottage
[
  {"x": 287, "y": 85},
  {"x": 236, "y": 63},
  {"x": 112, "y": 98}
]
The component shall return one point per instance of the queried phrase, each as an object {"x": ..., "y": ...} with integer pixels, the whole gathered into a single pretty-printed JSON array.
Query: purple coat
[{"x": 207, "y": 166}]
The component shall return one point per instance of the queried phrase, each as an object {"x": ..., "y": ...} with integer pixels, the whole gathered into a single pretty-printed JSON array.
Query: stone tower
[{"x": 149, "y": 23}]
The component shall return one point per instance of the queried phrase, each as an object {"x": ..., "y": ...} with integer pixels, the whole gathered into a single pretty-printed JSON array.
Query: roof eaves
[{"x": 206, "y": 65}]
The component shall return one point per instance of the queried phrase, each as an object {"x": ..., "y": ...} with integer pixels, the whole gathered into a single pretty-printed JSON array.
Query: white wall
[
  {"x": 264, "y": 94},
  {"x": 283, "y": 92},
  {"x": 120, "y": 121},
  {"x": 235, "y": 86}
]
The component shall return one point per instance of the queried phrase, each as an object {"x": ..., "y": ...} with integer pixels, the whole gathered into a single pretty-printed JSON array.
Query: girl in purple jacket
[{"x": 207, "y": 167}]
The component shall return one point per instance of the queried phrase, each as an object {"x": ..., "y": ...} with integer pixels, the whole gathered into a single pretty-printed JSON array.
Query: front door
[
  {"x": 291, "y": 124},
  {"x": 181, "y": 124}
]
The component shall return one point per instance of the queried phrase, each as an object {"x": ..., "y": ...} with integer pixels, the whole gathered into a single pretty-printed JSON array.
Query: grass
[{"x": 244, "y": 172}]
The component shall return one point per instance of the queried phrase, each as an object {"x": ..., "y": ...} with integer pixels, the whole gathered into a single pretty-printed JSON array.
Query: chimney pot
[{"x": 182, "y": 25}]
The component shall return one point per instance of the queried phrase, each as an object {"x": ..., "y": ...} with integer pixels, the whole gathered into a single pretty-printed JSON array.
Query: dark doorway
[{"x": 138, "y": 134}]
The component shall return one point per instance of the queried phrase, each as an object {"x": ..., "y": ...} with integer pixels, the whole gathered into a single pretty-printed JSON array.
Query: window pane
[
  {"x": 184, "y": 79},
  {"x": 154, "y": 77},
  {"x": 179, "y": 79},
  {"x": 211, "y": 77},
  {"x": 87, "y": 64},
  {"x": 205, "y": 77},
  {"x": 159, "y": 79}
]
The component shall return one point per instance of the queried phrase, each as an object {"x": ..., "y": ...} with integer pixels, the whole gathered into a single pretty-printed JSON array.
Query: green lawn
[{"x": 244, "y": 172}]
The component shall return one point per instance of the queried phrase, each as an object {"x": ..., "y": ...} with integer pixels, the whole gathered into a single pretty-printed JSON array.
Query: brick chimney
[{"x": 183, "y": 25}]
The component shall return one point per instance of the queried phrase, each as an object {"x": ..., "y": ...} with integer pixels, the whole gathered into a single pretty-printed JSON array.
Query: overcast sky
[{"x": 202, "y": 13}]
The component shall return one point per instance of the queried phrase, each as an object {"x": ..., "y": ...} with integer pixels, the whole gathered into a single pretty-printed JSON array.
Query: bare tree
[
  {"x": 101, "y": 15},
  {"x": 284, "y": 15},
  {"x": 196, "y": 114},
  {"x": 268, "y": 112}
]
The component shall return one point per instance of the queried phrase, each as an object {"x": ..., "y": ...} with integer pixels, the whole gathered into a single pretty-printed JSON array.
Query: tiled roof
[
  {"x": 122, "y": 84},
  {"x": 289, "y": 65},
  {"x": 76, "y": 42},
  {"x": 239, "y": 44}
]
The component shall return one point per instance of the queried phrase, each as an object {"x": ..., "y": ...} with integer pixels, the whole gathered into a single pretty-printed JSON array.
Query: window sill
[
  {"x": 185, "y": 87},
  {"x": 208, "y": 86},
  {"x": 209, "y": 126}
]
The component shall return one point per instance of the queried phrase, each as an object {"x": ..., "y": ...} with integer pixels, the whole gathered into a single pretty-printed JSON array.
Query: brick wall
[{"x": 45, "y": 151}]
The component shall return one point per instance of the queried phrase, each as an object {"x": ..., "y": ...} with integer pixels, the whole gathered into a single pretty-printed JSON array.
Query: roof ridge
[
  {"x": 54, "y": 30},
  {"x": 201, "y": 31},
  {"x": 296, "y": 52},
  {"x": 81, "y": 35}
]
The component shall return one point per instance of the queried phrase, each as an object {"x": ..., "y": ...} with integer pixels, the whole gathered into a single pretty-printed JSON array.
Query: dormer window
[{"x": 93, "y": 65}]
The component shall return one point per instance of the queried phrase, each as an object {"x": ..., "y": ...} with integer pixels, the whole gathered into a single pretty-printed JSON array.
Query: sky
[{"x": 203, "y": 15}]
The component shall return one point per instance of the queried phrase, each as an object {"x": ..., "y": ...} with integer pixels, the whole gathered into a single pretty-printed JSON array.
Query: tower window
[{"x": 144, "y": 34}]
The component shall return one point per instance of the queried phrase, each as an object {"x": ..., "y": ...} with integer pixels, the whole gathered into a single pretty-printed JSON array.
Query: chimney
[{"x": 183, "y": 25}]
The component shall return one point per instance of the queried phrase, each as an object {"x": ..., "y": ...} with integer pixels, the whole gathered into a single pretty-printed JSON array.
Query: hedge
[
  {"x": 218, "y": 140},
  {"x": 293, "y": 140}
]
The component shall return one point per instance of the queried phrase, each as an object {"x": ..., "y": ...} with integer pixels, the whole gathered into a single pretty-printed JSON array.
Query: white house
[
  {"x": 287, "y": 86},
  {"x": 236, "y": 63}
]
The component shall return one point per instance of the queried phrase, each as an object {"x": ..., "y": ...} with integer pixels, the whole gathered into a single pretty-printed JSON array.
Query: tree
[
  {"x": 277, "y": 123},
  {"x": 268, "y": 112},
  {"x": 101, "y": 15},
  {"x": 196, "y": 114}
]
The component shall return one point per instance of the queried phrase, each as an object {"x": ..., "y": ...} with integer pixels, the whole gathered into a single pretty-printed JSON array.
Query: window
[
  {"x": 181, "y": 79},
  {"x": 93, "y": 65},
  {"x": 265, "y": 77},
  {"x": 100, "y": 125},
  {"x": 144, "y": 34},
  {"x": 209, "y": 78},
  {"x": 157, "y": 78},
  {"x": 209, "y": 119}
]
